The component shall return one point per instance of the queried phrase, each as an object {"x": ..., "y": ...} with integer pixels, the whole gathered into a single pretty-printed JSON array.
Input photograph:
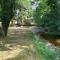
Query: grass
[
  {"x": 24, "y": 45},
  {"x": 44, "y": 51}
]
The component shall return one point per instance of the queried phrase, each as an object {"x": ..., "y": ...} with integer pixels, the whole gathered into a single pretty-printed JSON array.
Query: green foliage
[
  {"x": 41, "y": 10},
  {"x": 25, "y": 10},
  {"x": 23, "y": 4},
  {"x": 47, "y": 14},
  {"x": 44, "y": 51},
  {"x": 7, "y": 7}
]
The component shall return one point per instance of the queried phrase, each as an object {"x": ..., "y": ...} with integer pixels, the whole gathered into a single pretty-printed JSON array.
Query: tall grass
[{"x": 44, "y": 51}]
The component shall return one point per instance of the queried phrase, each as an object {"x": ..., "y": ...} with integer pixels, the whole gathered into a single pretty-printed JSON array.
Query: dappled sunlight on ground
[{"x": 17, "y": 46}]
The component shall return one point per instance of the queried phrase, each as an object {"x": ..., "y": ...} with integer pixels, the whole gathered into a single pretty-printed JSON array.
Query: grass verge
[{"x": 44, "y": 51}]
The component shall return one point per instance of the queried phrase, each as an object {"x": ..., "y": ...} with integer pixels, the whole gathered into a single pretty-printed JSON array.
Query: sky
[{"x": 34, "y": 6}]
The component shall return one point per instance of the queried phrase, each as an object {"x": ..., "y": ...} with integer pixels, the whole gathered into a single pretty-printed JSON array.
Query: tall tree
[{"x": 7, "y": 13}]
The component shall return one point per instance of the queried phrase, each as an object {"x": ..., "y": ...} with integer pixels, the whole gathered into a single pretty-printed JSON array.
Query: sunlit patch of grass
[{"x": 44, "y": 51}]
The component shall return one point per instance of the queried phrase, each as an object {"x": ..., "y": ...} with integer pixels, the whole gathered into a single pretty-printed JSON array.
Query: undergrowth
[{"x": 44, "y": 51}]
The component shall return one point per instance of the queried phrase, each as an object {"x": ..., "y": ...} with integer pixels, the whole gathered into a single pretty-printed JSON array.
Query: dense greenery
[{"x": 47, "y": 14}]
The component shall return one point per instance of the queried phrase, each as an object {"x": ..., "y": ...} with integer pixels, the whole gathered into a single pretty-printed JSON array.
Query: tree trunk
[{"x": 5, "y": 26}]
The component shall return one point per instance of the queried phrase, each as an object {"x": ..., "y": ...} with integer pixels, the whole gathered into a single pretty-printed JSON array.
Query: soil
[{"x": 17, "y": 45}]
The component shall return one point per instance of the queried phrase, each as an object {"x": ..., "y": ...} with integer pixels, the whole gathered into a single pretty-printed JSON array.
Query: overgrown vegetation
[
  {"x": 47, "y": 14},
  {"x": 44, "y": 51}
]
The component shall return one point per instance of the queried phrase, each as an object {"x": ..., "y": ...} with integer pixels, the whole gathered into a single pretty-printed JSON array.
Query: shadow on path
[{"x": 17, "y": 46}]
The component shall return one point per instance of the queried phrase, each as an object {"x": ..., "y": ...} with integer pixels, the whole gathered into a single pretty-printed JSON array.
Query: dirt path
[{"x": 17, "y": 46}]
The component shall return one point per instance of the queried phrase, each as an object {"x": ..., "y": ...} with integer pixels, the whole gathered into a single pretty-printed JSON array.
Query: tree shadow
[
  {"x": 27, "y": 54},
  {"x": 4, "y": 48},
  {"x": 14, "y": 38}
]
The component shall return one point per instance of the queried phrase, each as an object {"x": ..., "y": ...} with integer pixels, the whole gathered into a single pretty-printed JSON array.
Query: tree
[
  {"x": 53, "y": 28},
  {"x": 40, "y": 12},
  {"x": 6, "y": 13},
  {"x": 24, "y": 7},
  {"x": 47, "y": 14}
]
